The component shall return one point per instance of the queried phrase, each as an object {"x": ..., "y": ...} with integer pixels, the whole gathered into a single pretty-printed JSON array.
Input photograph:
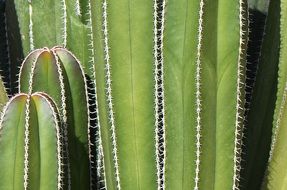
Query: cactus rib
[
  {"x": 64, "y": 117},
  {"x": 239, "y": 122},
  {"x": 26, "y": 145},
  {"x": 160, "y": 147},
  {"x": 198, "y": 95},
  {"x": 59, "y": 137},
  {"x": 92, "y": 63},
  {"x": 109, "y": 93}
]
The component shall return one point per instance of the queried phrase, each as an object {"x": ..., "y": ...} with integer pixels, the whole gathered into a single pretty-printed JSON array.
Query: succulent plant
[
  {"x": 31, "y": 144},
  {"x": 58, "y": 73},
  {"x": 162, "y": 95}
]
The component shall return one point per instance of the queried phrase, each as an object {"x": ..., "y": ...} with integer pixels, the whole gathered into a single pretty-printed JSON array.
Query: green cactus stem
[
  {"x": 126, "y": 101},
  {"x": 58, "y": 73},
  {"x": 204, "y": 71},
  {"x": 30, "y": 144}
]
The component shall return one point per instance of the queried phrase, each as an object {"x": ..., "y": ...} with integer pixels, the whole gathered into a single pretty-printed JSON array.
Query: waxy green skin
[
  {"x": 58, "y": 73},
  {"x": 219, "y": 55},
  {"x": 44, "y": 147}
]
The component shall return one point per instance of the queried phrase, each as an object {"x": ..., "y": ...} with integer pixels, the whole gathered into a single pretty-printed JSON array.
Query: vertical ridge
[
  {"x": 159, "y": 18},
  {"x": 109, "y": 93},
  {"x": 198, "y": 96},
  {"x": 239, "y": 122},
  {"x": 26, "y": 143}
]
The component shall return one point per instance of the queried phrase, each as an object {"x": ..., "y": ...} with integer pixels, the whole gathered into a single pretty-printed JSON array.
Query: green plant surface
[
  {"x": 204, "y": 92},
  {"x": 128, "y": 46},
  {"x": 30, "y": 144},
  {"x": 260, "y": 116},
  {"x": 275, "y": 174},
  {"x": 70, "y": 20},
  {"x": 3, "y": 94},
  {"x": 58, "y": 73},
  {"x": 108, "y": 164}
]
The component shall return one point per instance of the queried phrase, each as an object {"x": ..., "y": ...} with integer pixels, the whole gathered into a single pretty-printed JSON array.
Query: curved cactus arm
[
  {"x": 78, "y": 119},
  {"x": 45, "y": 145},
  {"x": 30, "y": 143},
  {"x": 26, "y": 70},
  {"x": 58, "y": 73},
  {"x": 12, "y": 152}
]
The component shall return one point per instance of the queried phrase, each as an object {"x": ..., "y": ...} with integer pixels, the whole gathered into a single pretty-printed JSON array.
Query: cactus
[
  {"x": 157, "y": 96},
  {"x": 31, "y": 143},
  {"x": 275, "y": 175},
  {"x": 58, "y": 73}
]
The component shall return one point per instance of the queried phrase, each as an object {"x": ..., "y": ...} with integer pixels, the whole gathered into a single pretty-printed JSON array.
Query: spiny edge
[
  {"x": 86, "y": 92},
  {"x": 109, "y": 93},
  {"x": 26, "y": 142},
  {"x": 64, "y": 116},
  {"x": 92, "y": 68},
  {"x": 159, "y": 16},
  {"x": 198, "y": 95},
  {"x": 58, "y": 136},
  {"x": 239, "y": 108}
]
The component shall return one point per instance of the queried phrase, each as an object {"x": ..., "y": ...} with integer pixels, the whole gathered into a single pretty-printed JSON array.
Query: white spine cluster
[
  {"x": 31, "y": 35},
  {"x": 109, "y": 94},
  {"x": 64, "y": 17},
  {"x": 239, "y": 102},
  {"x": 159, "y": 17},
  {"x": 78, "y": 8},
  {"x": 26, "y": 143},
  {"x": 198, "y": 95}
]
